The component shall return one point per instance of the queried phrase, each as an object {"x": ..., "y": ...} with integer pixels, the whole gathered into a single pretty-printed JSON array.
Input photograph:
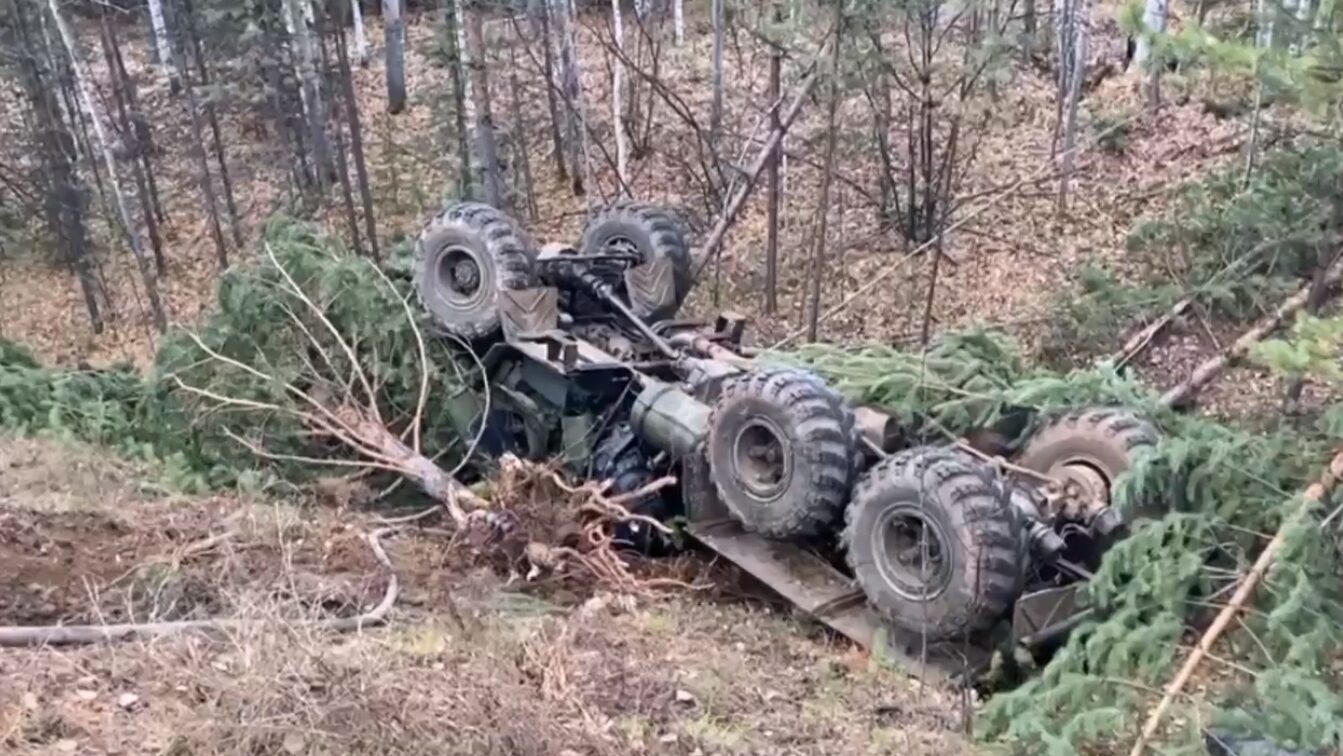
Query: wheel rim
[
  {"x": 912, "y": 553},
  {"x": 761, "y": 459},
  {"x": 1083, "y": 481},
  {"x": 621, "y": 245},
  {"x": 461, "y": 277}
]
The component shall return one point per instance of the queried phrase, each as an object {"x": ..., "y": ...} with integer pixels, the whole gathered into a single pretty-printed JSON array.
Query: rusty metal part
[{"x": 879, "y": 430}]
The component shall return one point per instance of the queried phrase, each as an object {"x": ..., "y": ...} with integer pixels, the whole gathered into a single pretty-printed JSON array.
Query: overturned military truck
[{"x": 938, "y": 553}]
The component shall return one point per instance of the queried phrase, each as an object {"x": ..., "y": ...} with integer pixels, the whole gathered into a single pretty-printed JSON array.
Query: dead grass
[{"x": 469, "y": 664}]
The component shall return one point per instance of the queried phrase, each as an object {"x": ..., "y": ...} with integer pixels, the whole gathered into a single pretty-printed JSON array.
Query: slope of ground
[
  {"x": 468, "y": 663},
  {"x": 1002, "y": 268}
]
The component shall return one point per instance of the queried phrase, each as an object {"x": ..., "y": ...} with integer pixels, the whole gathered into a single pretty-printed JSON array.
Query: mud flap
[
  {"x": 651, "y": 286},
  {"x": 524, "y": 311}
]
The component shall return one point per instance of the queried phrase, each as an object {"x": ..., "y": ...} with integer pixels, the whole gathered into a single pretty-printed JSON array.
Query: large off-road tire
[
  {"x": 934, "y": 543},
  {"x": 781, "y": 451},
  {"x": 621, "y": 458},
  {"x": 1093, "y": 447},
  {"x": 464, "y": 257},
  {"x": 655, "y": 234}
]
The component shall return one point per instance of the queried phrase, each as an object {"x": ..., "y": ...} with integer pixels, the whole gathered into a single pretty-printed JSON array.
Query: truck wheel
[
  {"x": 464, "y": 257},
  {"x": 781, "y": 451},
  {"x": 1092, "y": 447},
  {"x": 622, "y": 459},
  {"x": 652, "y": 232},
  {"x": 935, "y": 544}
]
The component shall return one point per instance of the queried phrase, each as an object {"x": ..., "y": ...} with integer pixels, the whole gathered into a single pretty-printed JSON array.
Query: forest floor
[
  {"x": 1007, "y": 268},
  {"x": 469, "y": 664}
]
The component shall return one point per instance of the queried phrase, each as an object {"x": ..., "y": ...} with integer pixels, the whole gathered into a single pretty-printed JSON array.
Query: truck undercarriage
[{"x": 940, "y": 554}]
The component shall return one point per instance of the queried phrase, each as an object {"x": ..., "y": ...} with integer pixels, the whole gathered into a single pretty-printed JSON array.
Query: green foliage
[
  {"x": 1219, "y": 486},
  {"x": 259, "y": 322},
  {"x": 1235, "y": 247},
  {"x": 1112, "y": 130}
]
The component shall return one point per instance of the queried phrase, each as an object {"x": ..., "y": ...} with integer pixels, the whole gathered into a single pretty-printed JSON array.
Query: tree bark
[
  {"x": 520, "y": 135},
  {"x": 1153, "y": 22},
  {"x": 575, "y": 138},
  {"x": 360, "y": 36},
  {"x": 299, "y": 18},
  {"x": 772, "y": 222},
  {"x": 678, "y": 14},
  {"x": 203, "y": 179},
  {"x": 394, "y": 36},
  {"x": 1076, "y": 70},
  {"x": 716, "y": 78},
  {"x": 827, "y": 176},
  {"x": 212, "y": 118},
  {"x": 617, "y": 92},
  {"x": 488, "y": 150},
  {"x": 130, "y": 137},
  {"x": 457, "y": 69},
  {"x": 342, "y": 167},
  {"x": 162, "y": 42},
  {"x": 64, "y": 200},
  {"x": 90, "y": 105},
  {"x": 357, "y": 142},
  {"x": 144, "y": 135},
  {"x": 542, "y": 29}
]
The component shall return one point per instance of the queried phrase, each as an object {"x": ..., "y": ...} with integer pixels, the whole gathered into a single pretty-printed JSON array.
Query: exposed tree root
[{"x": 75, "y": 635}]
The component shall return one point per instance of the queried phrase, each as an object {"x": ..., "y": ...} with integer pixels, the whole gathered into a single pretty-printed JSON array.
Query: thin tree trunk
[
  {"x": 1315, "y": 299},
  {"x": 827, "y": 177},
  {"x": 357, "y": 142},
  {"x": 64, "y": 200},
  {"x": 342, "y": 166},
  {"x": 678, "y": 13},
  {"x": 1153, "y": 22},
  {"x": 120, "y": 88},
  {"x": 520, "y": 132},
  {"x": 96, "y": 118},
  {"x": 456, "y": 68},
  {"x": 617, "y": 91},
  {"x": 360, "y": 36},
  {"x": 480, "y": 84},
  {"x": 212, "y": 118},
  {"x": 542, "y": 29},
  {"x": 1075, "y": 71},
  {"x": 394, "y": 37},
  {"x": 144, "y": 135},
  {"x": 299, "y": 15},
  {"x": 162, "y": 42},
  {"x": 772, "y": 224},
  {"x": 575, "y": 138},
  {"x": 716, "y": 78},
  {"x": 203, "y": 179}
]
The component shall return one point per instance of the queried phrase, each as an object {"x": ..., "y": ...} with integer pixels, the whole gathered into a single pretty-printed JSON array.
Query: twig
[
  {"x": 1313, "y": 495},
  {"x": 75, "y": 635}
]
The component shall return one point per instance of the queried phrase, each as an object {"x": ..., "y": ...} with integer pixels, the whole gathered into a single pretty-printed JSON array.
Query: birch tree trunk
[
  {"x": 716, "y": 80},
  {"x": 162, "y": 43},
  {"x": 394, "y": 37},
  {"x": 1075, "y": 72},
  {"x": 95, "y": 117},
  {"x": 571, "y": 88},
  {"x": 360, "y": 36},
  {"x": 1153, "y": 22},
  {"x": 541, "y": 28},
  {"x": 678, "y": 19},
  {"x": 480, "y": 83},
  {"x": 298, "y": 20},
  {"x": 617, "y": 92},
  {"x": 457, "y": 71}
]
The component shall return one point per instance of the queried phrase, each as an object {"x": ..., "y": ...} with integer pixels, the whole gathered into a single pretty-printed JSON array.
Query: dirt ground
[{"x": 468, "y": 664}]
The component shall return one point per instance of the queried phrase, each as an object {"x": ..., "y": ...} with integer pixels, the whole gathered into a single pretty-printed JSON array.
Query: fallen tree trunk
[
  {"x": 1312, "y": 496},
  {"x": 1206, "y": 372}
]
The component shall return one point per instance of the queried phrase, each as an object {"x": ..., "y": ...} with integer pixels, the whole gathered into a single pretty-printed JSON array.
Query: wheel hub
[
  {"x": 911, "y": 552},
  {"x": 460, "y": 277},
  {"x": 760, "y": 459},
  {"x": 1081, "y": 489}
]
